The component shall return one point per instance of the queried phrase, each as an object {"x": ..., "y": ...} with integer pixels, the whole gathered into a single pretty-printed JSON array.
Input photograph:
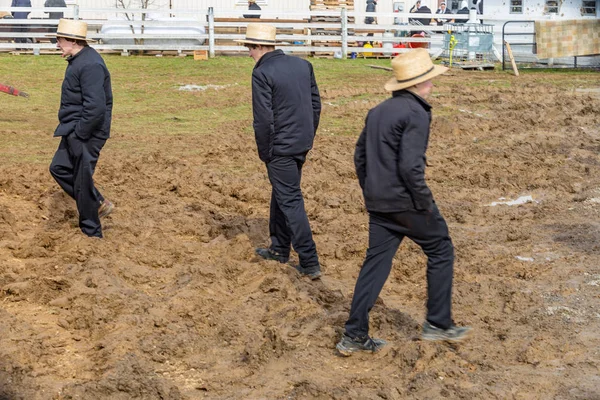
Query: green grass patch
[{"x": 148, "y": 102}]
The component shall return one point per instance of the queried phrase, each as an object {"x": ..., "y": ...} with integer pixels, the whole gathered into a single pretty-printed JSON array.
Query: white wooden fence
[{"x": 338, "y": 32}]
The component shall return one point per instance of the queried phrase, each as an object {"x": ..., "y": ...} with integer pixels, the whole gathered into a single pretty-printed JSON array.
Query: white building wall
[
  {"x": 497, "y": 9},
  {"x": 221, "y": 5},
  {"x": 535, "y": 9}
]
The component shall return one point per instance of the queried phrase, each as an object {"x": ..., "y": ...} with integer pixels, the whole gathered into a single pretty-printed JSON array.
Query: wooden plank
[
  {"x": 512, "y": 59},
  {"x": 262, "y": 20},
  {"x": 200, "y": 54},
  {"x": 380, "y": 67}
]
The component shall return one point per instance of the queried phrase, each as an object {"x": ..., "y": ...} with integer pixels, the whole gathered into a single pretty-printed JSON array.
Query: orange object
[
  {"x": 398, "y": 46},
  {"x": 200, "y": 54},
  {"x": 416, "y": 45}
]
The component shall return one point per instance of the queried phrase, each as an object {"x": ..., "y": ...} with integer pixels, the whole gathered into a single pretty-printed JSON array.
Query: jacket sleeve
[
  {"x": 262, "y": 108},
  {"x": 94, "y": 101},
  {"x": 411, "y": 161},
  {"x": 360, "y": 159},
  {"x": 316, "y": 99}
]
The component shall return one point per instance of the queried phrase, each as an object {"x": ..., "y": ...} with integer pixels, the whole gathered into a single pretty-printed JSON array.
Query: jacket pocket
[{"x": 64, "y": 129}]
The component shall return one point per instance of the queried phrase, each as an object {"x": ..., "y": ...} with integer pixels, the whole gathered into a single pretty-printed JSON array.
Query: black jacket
[
  {"x": 86, "y": 100},
  {"x": 440, "y": 21},
  {"x": 55, "y": 3},
  {"x": 390, "y": 155},
  {"x": 20, "y": 3},
  {"x": 423, "y": 10},
  {"x": 286, "y": 105},
  {"x": 253, "y": 7},
  {"x": 370, "y": 8}
]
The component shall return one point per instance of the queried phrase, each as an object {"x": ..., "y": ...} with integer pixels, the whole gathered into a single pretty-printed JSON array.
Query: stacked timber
[{"x": 329, "y": 5}]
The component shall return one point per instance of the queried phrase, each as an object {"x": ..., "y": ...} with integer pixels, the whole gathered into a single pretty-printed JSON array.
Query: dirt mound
[{"x": 173, "y": 304}]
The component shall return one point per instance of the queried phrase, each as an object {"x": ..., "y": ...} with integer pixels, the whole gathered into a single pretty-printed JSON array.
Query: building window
[
  {"x": 551, "y": 7},
  {"x": 588, "y": 7},
  {"x": 516, "y": 6}
]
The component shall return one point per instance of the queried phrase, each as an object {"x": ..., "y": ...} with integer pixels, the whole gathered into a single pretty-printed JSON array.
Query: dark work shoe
[
  {"x": 312, "y": 272},
  {"x": 347, "y": 345},
  {"x": 452, "y": 334},
  {"x": 269, "y": 254}
]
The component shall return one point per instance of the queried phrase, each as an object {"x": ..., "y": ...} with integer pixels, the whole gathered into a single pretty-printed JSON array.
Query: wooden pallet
[
  {"x": 326, "y": 44},
  {"x": 318, "y": 18},
  {"x": 338, "y": 20},
  {"x": 475, "y": 66},
  {"x": 331, "y": 4},
  {"x": 329, "y": 8}
]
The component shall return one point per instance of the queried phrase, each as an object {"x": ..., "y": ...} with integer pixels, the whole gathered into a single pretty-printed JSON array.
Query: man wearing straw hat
[
  {"x": 84, "y": 124},
  {"x": 390, "y": 165},
  {"x": 286, "y": 107}
]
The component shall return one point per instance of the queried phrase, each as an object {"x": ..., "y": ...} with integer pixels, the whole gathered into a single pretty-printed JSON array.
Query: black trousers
[
  {"x": 386, "y": 231},
  {"x": 288, "y": 223},
  {"x": 73, "y": 168},
  {"x": 21, "y": 29}
]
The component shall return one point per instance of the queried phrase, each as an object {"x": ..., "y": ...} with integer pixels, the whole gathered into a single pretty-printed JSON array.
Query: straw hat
[
  {"x": 72, "y": 29},
  {"x": 260, "y": 34},
  {"x": 412, "y": 67}
]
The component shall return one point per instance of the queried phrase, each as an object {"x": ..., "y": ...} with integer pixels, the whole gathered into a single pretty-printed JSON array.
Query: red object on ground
[
  {"x": 12, "y": 90},
  {"x": 417, "y": 45},
  {"x": 398, "y": 46}
]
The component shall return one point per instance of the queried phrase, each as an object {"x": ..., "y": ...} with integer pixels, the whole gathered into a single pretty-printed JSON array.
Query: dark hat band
[
  {"x": 416, "y": 77},
  {"x": 70, "y": 35},
  {"x": 260, "y": 40}
]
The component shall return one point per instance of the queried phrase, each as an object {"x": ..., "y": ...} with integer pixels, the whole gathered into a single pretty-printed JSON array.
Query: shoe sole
[
  {"x": 313, "y": 277},
  {"x": 109, "y": 209},
  {"x": 347, "y": 352},
  {"x": 344, "y": 352},
  {"x": 269, "y": 258},
  {"x": 437, "y": 338}
]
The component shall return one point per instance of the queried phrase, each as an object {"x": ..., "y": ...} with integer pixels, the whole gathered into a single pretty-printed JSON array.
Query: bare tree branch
[{"x": 143, "y": 4}]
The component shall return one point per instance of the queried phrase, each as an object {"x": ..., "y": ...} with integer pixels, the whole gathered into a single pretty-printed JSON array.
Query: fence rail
[{"x": 315, "y": 32}]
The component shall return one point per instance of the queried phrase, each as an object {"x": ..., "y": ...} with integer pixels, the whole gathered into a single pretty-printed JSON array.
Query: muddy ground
[{"x": 173, "y": 304}]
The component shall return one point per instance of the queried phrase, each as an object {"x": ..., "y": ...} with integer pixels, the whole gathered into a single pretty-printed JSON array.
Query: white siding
[
  {"x": 271, "y": 5},
  {"x": 495, "y": 8},
  {"x": 534, "y": 9}
]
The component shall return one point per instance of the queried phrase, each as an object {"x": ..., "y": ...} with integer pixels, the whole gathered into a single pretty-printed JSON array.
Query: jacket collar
[
  {"x": 268, "y": 56},
  {"x": 71, "y": 58},
  {"x": 408, "y": 94}
]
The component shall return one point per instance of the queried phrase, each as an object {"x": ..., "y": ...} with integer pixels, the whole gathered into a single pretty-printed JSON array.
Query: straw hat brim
[
  {"x": 393, "y": 84},
  {"x": 54, "y": 35},
  {"x": 261, "y": 42}
]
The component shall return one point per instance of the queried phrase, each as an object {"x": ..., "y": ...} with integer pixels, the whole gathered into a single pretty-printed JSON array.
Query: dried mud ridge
[{"x": 173, "y": 304}]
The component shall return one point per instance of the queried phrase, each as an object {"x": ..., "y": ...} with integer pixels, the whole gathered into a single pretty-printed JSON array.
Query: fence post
[
  {"x": 344, "y": 33},
  {"x": 76, "y": 11},
  {"x": 211, "y": 32}
]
